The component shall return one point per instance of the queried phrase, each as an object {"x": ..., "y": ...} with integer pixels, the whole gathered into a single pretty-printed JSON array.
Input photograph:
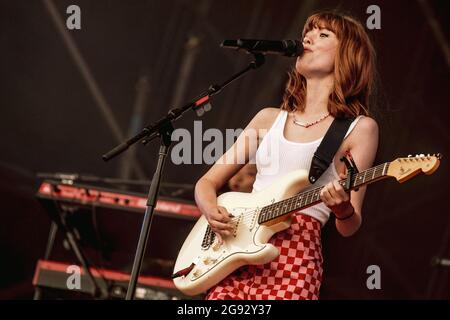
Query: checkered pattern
[{"x": 295, "y": 274}]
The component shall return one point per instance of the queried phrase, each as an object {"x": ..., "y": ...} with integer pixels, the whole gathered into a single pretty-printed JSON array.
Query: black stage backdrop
[{"x": 142, "y": 57}]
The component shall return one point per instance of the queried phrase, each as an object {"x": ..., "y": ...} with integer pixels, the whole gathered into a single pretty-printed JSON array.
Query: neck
[
  {"x": 317, "y": 94},
  {"x": 311, "y": 197}
]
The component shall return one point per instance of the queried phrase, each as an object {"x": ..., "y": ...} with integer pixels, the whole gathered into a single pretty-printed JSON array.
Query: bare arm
[
  {"x": 363, "y": 150},
  {"x": 228, "y": 165}
]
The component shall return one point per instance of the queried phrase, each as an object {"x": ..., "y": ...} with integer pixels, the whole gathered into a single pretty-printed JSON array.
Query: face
[{"x": 317, "y": 59}]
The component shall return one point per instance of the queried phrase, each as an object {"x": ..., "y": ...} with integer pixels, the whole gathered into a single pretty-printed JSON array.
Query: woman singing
[{"x": 333, "y": 78}]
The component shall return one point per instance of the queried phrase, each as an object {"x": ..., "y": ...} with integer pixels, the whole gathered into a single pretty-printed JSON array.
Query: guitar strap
[{"x": 328, "y": 147}]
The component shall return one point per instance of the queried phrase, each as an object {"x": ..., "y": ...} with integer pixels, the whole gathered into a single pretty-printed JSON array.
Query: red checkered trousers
[{"x": 296, "y": 274}]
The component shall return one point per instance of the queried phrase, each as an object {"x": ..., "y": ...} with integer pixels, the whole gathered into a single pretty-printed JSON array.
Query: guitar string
[
  {"x": 250, "y": 214},
  {"x": 312, "y": 191}
]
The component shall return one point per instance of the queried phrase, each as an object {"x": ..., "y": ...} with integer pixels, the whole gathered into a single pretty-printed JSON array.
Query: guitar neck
[{"x": 312, "y": 197}]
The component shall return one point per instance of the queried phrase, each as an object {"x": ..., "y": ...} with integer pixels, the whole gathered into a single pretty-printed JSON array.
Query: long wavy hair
[{"x": 354, "y": 68}]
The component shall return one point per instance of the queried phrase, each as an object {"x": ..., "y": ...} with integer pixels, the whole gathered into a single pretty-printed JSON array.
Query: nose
[{"x": 306, "y": 40}]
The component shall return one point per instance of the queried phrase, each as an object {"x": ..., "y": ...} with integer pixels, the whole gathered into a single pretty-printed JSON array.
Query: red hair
[{"x": 354, "y": 68}]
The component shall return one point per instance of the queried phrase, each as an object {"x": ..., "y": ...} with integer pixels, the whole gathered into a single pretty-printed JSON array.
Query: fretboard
[{"x": 311, "y": 197}]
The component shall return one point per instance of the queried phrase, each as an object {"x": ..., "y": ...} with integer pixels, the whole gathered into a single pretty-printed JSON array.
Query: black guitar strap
[{"x": 328, "y": 147}]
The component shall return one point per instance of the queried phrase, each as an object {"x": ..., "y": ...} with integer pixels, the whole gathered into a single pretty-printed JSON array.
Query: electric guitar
[{"x": 202, "y": 262}]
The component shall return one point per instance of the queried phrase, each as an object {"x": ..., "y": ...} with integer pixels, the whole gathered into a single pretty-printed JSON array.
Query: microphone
[{"x": 288, "y": 48}]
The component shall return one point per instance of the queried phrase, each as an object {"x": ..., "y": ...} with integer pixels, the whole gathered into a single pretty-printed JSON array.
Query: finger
[
  {"x": 324, "y": 195},
  {"x": 340, "y": 191},
  {"x": 331, "y": 190},
  {"x": 328, "y": 191},
  {"x": 222, "y": 234},
  {"x": 219, "y": 226},
  {"x": 333, "y": 197},
  {"x": 226, "y": 216},
  {"x": 217, "y": 216},
  {"x": 219, "y": 238}
]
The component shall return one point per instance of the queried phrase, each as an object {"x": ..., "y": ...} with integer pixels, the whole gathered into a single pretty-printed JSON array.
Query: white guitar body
[
  {"x": 247, "y": 245},
  {"x": 203, "y": 263}
]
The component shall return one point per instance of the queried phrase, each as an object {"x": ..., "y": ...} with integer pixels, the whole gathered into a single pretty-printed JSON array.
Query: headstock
[{"x": 405, "y": 168}]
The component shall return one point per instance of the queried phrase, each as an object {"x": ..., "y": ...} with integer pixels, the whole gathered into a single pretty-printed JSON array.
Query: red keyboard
[{"x": 94, "y": 196}]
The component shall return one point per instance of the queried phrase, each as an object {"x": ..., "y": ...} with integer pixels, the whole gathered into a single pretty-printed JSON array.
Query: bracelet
[{"x": 347, "y": 217}]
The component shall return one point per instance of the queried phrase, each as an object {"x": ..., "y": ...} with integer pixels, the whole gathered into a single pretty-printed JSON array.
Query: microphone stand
[{"x": 163, "y": 129}]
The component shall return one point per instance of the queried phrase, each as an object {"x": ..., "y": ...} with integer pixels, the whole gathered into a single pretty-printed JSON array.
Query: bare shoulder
[
  {"x": 366, "y": 126},
  {"x": 366, "y": 131},
  {"x": 265, "y": 118}
]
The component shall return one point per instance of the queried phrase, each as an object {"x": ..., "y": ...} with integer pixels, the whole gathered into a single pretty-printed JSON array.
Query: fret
[
  {"x": 283, "y": 208},
  {"x": 300, "y": 200},
  {"x": 374, "y": 174},
  {"x": 306, "y": 198},
  {"x": 274, "y": 211},
  {"x": 311, "y": 197},
  {"x": 286, "y": 206},
  {"x": 292, "y": 201},
  {"x": 378, "y": 172},
  {"x": 360, "y": 177},
  {"x": 316, "y": 195},
  {"x": 269, "y": 210},
  {"x": 261, "y": 215},
  {"x": 311, "y": 200},
  {"x": 297, "y": 201}
]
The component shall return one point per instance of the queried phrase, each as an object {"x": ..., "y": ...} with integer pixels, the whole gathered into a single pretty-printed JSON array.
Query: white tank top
[{"x": 276, "y": 156}]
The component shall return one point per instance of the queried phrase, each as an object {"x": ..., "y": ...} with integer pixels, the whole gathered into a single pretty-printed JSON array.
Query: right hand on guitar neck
[{"x": 220, "y": 221}]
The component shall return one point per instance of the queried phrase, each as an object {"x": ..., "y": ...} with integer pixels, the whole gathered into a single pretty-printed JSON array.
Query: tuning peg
[{"x": 409, "y": 155}]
